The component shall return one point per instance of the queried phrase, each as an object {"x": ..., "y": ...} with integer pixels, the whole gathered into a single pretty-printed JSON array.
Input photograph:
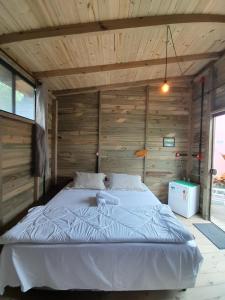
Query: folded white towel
[
  {"x": 100, "y": 201},
  {"x": 106, "y": 198}
]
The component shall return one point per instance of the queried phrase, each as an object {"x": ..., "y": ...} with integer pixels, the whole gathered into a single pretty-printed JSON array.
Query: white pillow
[
  {"x": 83, "y": 180},
  {"x": 125, "y": 182}
]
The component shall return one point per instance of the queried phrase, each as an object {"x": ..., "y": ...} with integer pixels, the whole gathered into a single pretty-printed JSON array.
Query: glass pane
[
  {"x": 218, "y": 180},
  {"x": 25, "y": 101},
  {"x": 5, "y": 89}
]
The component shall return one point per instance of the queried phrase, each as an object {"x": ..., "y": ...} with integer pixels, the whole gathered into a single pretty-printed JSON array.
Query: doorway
[{"x": 217, "y": 206}]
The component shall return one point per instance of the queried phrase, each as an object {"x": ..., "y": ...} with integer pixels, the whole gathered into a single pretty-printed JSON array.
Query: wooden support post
[
  {"x": 206, "y": 180},
  {"x": 146, "y": 130},
  {"x": 54, "y": 141},
  {"x": 99, "y": 131},
  {"x": 190, "y": 138}
]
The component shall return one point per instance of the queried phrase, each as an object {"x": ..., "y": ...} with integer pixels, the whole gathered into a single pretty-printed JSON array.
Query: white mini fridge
[{"x": 184, "y": 198}]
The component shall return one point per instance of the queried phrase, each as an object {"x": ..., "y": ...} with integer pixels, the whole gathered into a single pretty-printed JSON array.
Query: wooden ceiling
[{"x": 56, "y": 43}]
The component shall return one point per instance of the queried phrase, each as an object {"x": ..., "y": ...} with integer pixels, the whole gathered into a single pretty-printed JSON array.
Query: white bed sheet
[
  {"x": 76, "y": 198},
  {"x": 106, "y": 266}
]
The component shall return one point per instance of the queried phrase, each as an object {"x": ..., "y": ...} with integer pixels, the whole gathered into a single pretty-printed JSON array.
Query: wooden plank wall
[
  {"x": 17, "y": 183},
  {"x": 122, "y": 130},
  {"x": 17, "y": 180},
  {"x": 218, "y": 102},
  {"x": 122, "y": 133},
  {"x": 168, "y": 117},
  {"x": 77, "y": 134}
]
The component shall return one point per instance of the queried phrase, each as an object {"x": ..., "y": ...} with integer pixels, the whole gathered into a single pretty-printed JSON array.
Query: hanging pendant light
[{"x": 165, "y": 87}]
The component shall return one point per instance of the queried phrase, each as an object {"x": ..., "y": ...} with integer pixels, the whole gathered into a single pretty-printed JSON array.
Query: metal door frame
[{"x": 213, "y": 116}]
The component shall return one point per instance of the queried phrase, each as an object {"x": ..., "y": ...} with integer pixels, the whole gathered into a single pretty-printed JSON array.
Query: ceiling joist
[
  {"x": 102, "y": 26},
  {"x": 122, "y": 85},
  {"x": 126, "y": 65}
]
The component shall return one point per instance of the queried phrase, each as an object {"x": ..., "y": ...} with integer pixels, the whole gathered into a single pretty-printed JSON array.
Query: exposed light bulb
[{"x": 165, "y": 87}]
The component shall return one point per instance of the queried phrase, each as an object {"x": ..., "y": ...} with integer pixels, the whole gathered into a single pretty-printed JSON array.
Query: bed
[{"x": 113, "y": 264}]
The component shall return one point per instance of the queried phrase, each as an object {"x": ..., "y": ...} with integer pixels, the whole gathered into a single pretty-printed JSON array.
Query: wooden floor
[{"x": 210, "y": 283}]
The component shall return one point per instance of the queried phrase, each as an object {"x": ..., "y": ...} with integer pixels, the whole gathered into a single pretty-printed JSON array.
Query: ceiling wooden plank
[
  {"x": 126, "y": 65},
  {"x": 120, "y": 85},
  {"x": 102, "y": 26}
]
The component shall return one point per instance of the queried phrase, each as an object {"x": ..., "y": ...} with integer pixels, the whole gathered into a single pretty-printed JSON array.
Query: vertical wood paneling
[
  {"x": 123, "y": 130},
  {"x": 118, "y": 124},
  {"x": 218, "y": 102},
  {"x": 168, "y": 117},
  {"x": 77, "y": 134},
  {"x": 17, "y": 184},
  {"x": 16, "y": 171}
]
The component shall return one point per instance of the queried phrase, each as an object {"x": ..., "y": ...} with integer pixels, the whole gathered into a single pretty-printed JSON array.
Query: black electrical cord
[
  {"x": 174, "y": 48},
  {"x": 167, "y": 41}
]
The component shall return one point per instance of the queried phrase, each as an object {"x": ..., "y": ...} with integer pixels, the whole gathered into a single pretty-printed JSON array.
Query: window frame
[{"x": 14, "y": 74}]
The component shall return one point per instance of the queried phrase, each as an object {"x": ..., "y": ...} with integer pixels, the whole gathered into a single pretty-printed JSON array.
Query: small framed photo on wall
[{"x": 168, "y": 142}]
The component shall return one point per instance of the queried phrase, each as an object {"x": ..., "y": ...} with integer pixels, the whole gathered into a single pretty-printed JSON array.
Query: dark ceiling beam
[
  {"x": 103, "y": 26},
  {"x": 122, "y": 85},
  {"x": 126, "y": 65}
]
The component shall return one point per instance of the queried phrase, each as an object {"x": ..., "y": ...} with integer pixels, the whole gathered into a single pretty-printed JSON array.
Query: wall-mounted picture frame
[{"x": 168, "y": 142}]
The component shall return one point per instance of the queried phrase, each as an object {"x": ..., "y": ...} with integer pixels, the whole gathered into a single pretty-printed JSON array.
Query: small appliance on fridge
[{"x": 184, "y": 198}]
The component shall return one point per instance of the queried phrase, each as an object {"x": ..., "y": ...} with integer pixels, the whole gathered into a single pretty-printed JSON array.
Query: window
[
  {"x": 17, "y": 95},
  {"x": 6, "y": 89},
  {"x": 25, "y": 99}
]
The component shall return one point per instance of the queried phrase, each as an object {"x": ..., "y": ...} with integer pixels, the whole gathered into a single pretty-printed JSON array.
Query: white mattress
[{"x": 105, "y": 266}]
